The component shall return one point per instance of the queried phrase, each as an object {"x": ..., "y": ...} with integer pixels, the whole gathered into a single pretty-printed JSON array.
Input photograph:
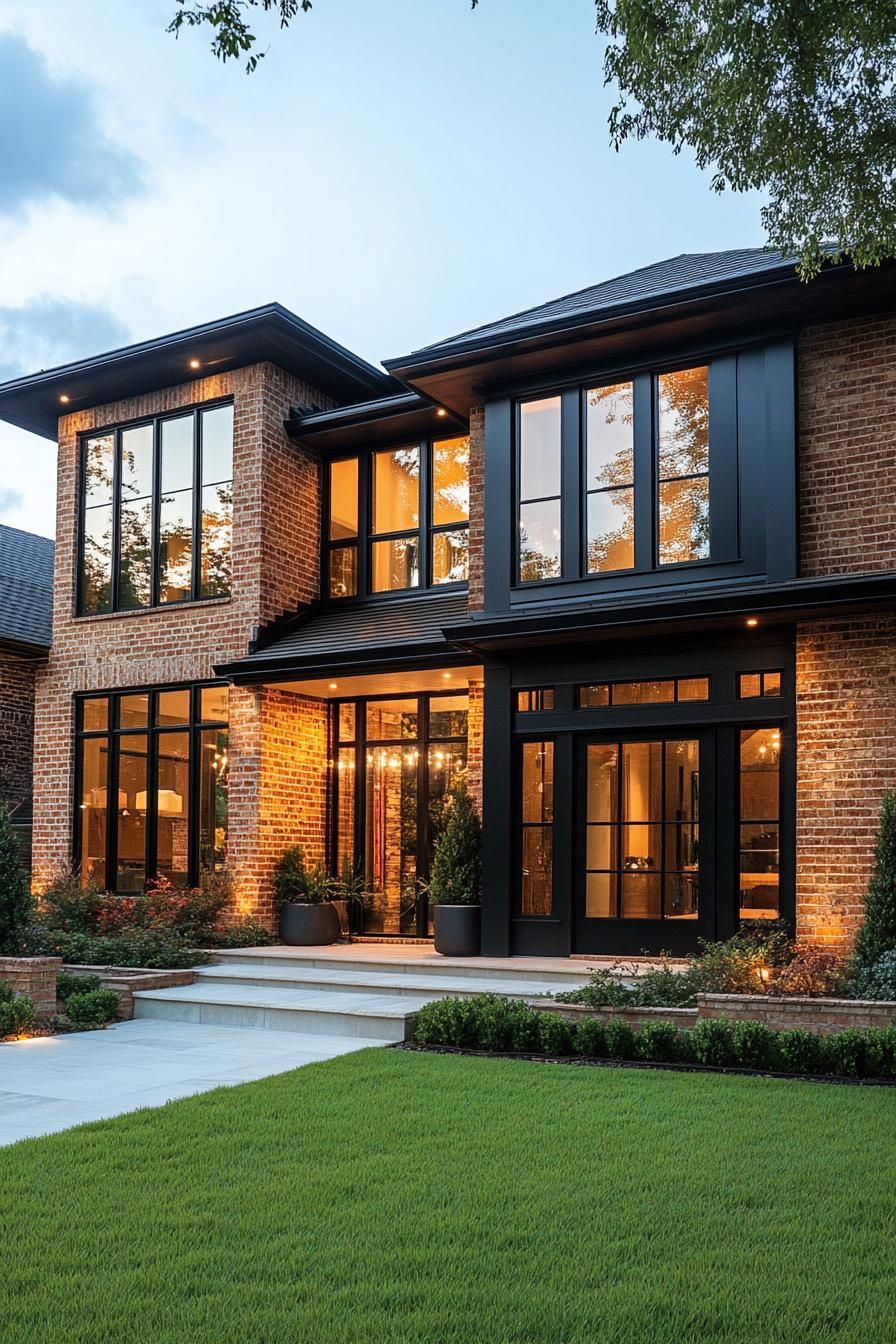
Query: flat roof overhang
[
  {"x": 267, "y": 334},
  {"x": 768, "y": 604},
  {"x": 627, "y": 335},
  {"x": 255, "y": 670},
  {"x": 407, "y": 415}
]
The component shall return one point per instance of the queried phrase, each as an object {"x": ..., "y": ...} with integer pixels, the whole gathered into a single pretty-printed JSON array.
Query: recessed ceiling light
[
  {"x": 64, "y": 399},
  {"x": 441, "y": 411},
  {"x": 194, "y": 363},
  {"x": 751, "y": 620},
  {"x": 334, "y": 686},
  {"x": 447, "y": 676}
]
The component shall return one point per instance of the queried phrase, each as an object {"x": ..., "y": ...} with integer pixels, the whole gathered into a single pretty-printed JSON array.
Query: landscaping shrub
[
  {"x": 712, "y": 1042},
  {"x": 620, "y": 1040},
  {"x": 505, "y": 1024},
  {"x": 812, "y": 973},
  {"x": 16, "y": 1012},
  {"x": 154, "y": 951},
  {"x": 93, "y": 1008},
  {"x": 754, "y": 1045},
  {"x": 294, "y": 883},
  {"x": 881, "y": 1052},
  {"x": 663, "y": 987},
  {"x": 16, "y": 905},
  {"x": 450, "y": 1022},
  {"x": 877, "y": 933},
  {"x": 457, "y": 867},
  {"x": 845, "y": 1053},
  {"x": 661, "y": 1042},
  {"x": 591, "y": 1038},
  {"x": 246, "y": 932},
  {"x": 877, "y": 981},
  {"x": 798, "y": 1051},
  {"x": 604, "y": 990},
  {"x": 555, "y": 1035},
  {"x": 67, "y": 984}
]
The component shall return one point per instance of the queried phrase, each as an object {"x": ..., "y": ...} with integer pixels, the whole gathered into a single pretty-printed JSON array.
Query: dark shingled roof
[
  {"x": 26, "y": 588},
  {"x": 689, "y": 271}
]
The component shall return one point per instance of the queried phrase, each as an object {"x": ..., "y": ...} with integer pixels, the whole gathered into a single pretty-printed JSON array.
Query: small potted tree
[
  {"x": 307, "y": 916},
  {"x": 455, "y": 888}
]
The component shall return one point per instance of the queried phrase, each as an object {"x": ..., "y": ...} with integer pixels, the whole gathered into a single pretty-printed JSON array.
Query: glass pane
[
  {"x": 693, "y": 688},
  {"x": 136, "y": 462},
  {"x": 642, "y": 848},
  {"x": 759, "y": 877},
  {"x": 611, "y": 530},
  {"x": 760, "y": 752},
  {"x": 390, "y": 841},
  {"x": 132, "y": 800},
  {"x": 133, "y": 711},
  {"x": 94, "y": 776},
  {"x": 391, "y": 720},
  {"x": 173, "y": 804},
  {"x": 217, "y": 518},
  {"x": 610, "y": 433},
  {"x": 345, "y": 817},
  {"x": 642, "y": 781},
  {"x": 347, "y": 723},
  {"x": 683, "y": 410},
  {"x": 682, "y": 782},
  {"x": 600, "y": 895},
  {"x": 214, "y": 704},
  {"x": 95, "y": 714},
  {"x": 177, "y": 454},
  {"x": 343, "y": 571},
  {"x": 540, "y": 540},
  {"x": 684, "y": 520},
  {"x": 682, "y": 895},
  {"x": 450, "y": 556},
  {"x": 602, "y": 788},
  {"x": 396, "y": 491},
  {"x": 643, "y": 692},
  {"x": 172, "y": 707},
  {"x": 445, "y": 775},
  {"x": 750, "y": 685},
  {"x": 448, "y": 716},
  {"x": 771, "y": 683},
  {"x": 217, "y": 445},
  {"x": 135, "y": 567},
  {"x": 536, "y": 888},
  {"x": 396, "y": 564},
  {"x": 601, "y": 847},
  {"x": 682, "y": 847},
  {"x": 96, "y": 561},
  {"x": 343, "y": 499},
  {"x": 99, "y": 456},
  {"x": 641, "y": 895},
  {"x": 213, "y": 772},
  {"x": 594, "y": 697},
  {"x": 176, "y": 547},
  {"x": 450, "y": 481},
  {"x": 538, "y": 781},
  {"x": 534, "y": 701},
  {"x": 540, "y": 448}
]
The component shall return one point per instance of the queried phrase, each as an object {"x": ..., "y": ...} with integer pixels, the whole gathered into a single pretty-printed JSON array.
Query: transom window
[
  {"x": 156, "y": 512},
  {"x": 641, "y": 477},
  {"x": 671, "y": 690},
  {"x": 537, "y": 699},
  {"x": 151, "y": 770},
  {"x": 754, "y": 685},
  {"x": 398, "y": 518}
]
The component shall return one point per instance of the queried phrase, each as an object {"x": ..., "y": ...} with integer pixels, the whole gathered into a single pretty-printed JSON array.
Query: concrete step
[
  {"x": 358, "y": 959},
  {"x": 321, "y": 1012},
  {"x": 392, "y": 981}
]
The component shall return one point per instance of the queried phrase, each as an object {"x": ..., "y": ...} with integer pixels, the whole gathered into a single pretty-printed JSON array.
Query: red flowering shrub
[{"x": 811, "y": 972}]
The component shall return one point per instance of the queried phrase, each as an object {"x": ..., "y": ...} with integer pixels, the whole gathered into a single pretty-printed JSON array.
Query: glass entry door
[{"x": 645, "y": 829}]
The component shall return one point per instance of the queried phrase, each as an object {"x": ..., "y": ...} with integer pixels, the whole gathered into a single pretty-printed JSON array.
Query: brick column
[{"x": 35, "y": 978}]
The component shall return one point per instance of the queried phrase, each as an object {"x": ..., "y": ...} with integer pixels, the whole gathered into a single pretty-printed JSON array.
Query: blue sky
[{"x": 395, "y": 171}]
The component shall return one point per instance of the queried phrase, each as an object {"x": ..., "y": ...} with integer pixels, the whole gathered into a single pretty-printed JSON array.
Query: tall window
[
  {"x": 760, "y": 823},
  {"x": 683, "y": 465},
  {"x": 610, "y": 480},
  {"x": 156, "y": 512},
  {"x": 537, "y": 806},
  {"x": 398, "y": 519},
  {"x": 152, "y": 785},
  {"x": 540, "y": 475}
]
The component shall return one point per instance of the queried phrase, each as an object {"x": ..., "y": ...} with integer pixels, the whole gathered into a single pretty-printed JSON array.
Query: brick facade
[
  {"x": 35, "y": 979},
  {"x": 17, "y": 680},
  {"x": 477, "y": 507}
]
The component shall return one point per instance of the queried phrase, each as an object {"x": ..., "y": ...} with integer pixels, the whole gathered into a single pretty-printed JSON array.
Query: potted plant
[
  {"x": 353, "y": 895},
  {"x": 307, "y": 916},
  {"x": 455, "y": 888}
]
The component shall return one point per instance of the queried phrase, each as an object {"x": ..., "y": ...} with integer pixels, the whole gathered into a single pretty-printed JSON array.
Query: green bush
[
  {"x": 505, "y": 1024},
  {"x": 67, "y": 984},
  {"x": 620, "y": 1040},
  {"x": 154, "y": 951},
  {"x": 93, "y": 1008},
  {"x": 16, "y": 905},
  {"x": 663, "y": 987},
  {"x": 845, "y": 1053},
  {"x": 877, "y": 933},
  {"x": 457, "y": 866},
  {"x": 881, "y": 1052},
  {"x": 555, "y": 1035},
  {"x": 754, "y": 1045},
  {"x": 604, "y": 990},
  {"x": 877, "y": 981},
  {"x": 661, "y": 1043},
  {"x": 246, "y": 932},
  {"x": 296, "y": 884},
  {"x": 450, "y": 1022},
  {"x": 16, "y": 1012},
  {"x": 591, "y": 1038},
  {"x": 712, "y": 1042},
  {"x": 798, "y": 1051}
]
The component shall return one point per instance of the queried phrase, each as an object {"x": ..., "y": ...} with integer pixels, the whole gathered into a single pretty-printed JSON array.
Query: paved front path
[{"x": 53, "y": 1082}]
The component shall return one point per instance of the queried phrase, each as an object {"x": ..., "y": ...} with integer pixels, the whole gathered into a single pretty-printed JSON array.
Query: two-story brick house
[{"x": 627, "y": 561}]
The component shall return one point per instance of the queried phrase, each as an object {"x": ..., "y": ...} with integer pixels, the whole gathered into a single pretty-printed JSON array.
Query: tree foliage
[
  {"x": 793, "y": 98},
  {"x": 877, "y": 933},
  {"x": 229, "y": 21},
  {"x": 16, "y": 905},
  {"x": 457, "y": 868}
]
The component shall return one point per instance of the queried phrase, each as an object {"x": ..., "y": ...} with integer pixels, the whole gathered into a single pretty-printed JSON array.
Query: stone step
[
  {"x": 321, "y": 1012},
  {"x": 393, "y": 981},
  {"x": 357, "y": 959}
]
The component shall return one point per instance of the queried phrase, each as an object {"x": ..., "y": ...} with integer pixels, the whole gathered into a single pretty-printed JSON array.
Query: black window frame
[
  {"x": 194, "y": 728},
  {"x": 116, "y": 430},
  {"x": 426, "y": 530}
]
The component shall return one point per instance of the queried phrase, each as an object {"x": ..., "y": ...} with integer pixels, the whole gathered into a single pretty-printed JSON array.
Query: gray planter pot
[
  {"x": 457, "y": 930},
  {"x": 309, "y": 925}
]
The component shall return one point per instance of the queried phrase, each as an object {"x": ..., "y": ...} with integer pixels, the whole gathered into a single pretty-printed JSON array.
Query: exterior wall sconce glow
[{"x": 751, "y": 621}]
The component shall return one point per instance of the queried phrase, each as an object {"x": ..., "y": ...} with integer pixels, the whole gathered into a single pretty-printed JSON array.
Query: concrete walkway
[{"x": 53, "y": 1082}]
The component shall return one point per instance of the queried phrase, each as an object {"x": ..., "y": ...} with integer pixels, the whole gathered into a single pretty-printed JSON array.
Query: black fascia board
[
  {"x": 365, "y": 662},
  {"x": 267, "y": 334},
  {"x": 406, "y": 414},
  {"x": 35, "y": 651},
  {"x": 775, "y": 602}
]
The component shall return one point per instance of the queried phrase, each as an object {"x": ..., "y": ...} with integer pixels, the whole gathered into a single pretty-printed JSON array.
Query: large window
[
  {"x": 398, "y": 519},
  {"x": 152, "y": 785},
  {"x": 537, "y": 828},
  {"x": 398, "y": 762},
  {"x": 157, "y": 512},
  {"x": 641, "y": 450},
  {"x": 760, "y": 823}
]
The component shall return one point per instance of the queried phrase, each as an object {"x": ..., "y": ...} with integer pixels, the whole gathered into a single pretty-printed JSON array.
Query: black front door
[{"x": 645, "y": 842}]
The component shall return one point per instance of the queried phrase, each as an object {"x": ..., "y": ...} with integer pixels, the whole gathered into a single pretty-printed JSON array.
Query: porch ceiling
[{"x": 386, "y": 683}]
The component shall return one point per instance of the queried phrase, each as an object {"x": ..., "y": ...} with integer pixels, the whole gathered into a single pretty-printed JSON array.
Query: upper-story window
[
  {"x": 156, "y": 512},
  {"x": 644, "y": 464},
  {"x": 398, "y": 519}
]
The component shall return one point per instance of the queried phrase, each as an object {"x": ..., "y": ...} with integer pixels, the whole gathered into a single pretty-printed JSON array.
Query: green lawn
[{"x": 391, "y": 1196}]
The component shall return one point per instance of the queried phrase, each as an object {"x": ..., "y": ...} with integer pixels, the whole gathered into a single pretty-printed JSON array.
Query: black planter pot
[
  {"x": 457, "y": 930},
  {"x": 309, "y": 925}
]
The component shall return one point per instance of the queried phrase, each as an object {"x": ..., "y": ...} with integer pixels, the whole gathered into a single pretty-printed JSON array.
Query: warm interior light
[
  {"x": 64, "y": 399},
  {"x": 441, "y": 411},
  {"x": 751, "y": 621},
  {"x": 194, "y": 363}
]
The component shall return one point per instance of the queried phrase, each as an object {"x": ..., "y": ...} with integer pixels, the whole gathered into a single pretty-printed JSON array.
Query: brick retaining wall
[
  {"x": 819, "y": 1016},
  {"x": 35, "y": 978}
]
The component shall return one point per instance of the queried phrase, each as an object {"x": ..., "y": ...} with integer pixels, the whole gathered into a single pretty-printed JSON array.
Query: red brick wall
[
  {"x": 17, "y": 677},
  {"x": 477, "y": 505},
  {"x": 275, "y": 566},
  {"x": 847, "y": 446}
]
